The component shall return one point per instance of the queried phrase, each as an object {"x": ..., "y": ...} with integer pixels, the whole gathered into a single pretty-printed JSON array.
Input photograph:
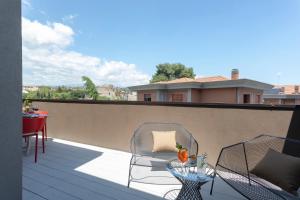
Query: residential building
[
  {"x": 107, "y": 91},
  {"x": 116, "y": 93},
  {"x": 130, "y": 96},
  {"x": 216, "y": 89},
  {"x": 282, "y": 94},
  {"x": 27, "y": 89}
]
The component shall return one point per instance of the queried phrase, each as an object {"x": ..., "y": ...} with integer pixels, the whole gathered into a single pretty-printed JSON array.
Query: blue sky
[{"x": 261, "y": 38}]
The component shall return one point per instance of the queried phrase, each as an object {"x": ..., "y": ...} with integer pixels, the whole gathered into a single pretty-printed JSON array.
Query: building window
[
  {"x": 246, "y": 98},
  {"x": 177, "y": 97},
  {"x": 147, "y": 97}
]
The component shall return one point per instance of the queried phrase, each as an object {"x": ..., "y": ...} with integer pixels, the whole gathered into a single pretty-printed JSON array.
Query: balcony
[
  {"x": 71, "y": 170},
  {"x": 88, "y": 155}
]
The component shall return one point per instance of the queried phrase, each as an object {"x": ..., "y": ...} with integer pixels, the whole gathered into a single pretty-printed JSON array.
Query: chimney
[
  {"x": 235, "y": 74},
  {"x": 297, "y": 89}
]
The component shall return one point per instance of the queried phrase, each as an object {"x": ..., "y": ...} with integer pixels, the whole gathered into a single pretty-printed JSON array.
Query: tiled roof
[
  {"x": 201, "y": 80},
  {"x": 179, "y": 80},
  {"x": 212, "y": 79}
]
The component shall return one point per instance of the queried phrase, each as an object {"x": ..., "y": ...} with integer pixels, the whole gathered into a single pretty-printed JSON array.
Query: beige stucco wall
[
  {"x": 272, "y": 101},
  {"x": 184, "y": 94},
  {"x": 288, "y": 101},
  {"x": 282, "y": 101},
  {"x": 223, "y": 95},
  {"x": 140, "y": 95},
  {"x": 219, "y": 95},
  {"x": 195, "y": 95},
  {"x": 111, "y": 126},
  {"x": 253, "y": 95}
]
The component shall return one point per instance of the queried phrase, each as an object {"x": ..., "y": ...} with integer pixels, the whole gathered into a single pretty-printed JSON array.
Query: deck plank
[
  {"x": 84, "y": 172},
  {"x": 27, "y": 194},
  {"x": 95, "y": 186}
]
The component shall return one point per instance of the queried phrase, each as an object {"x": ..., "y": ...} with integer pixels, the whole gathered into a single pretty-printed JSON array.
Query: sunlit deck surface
[{"x": 71, "y": 170}]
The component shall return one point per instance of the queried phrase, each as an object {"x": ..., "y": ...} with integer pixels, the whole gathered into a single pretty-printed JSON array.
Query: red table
[{"x": 32, "y": 125}]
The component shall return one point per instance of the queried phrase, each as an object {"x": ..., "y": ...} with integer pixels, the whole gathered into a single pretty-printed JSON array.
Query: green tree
[
  {"x": 90, "y": 88},
  {"x": 171, "y": 71},
  {"x": 103, "y": 98},
  {"x": 77, "y": 94},
  {"x": 61, "y": 92},
  {"x": 44, "y": 92}
]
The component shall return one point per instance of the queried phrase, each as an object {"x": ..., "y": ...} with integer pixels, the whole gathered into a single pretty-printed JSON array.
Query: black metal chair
[
  {"x": 150, "y": 167},
  {"x": 235, "y": 163}
]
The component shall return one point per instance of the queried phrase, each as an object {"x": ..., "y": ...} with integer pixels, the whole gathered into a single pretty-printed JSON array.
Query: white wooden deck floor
[{"x": 72, "y": 171}]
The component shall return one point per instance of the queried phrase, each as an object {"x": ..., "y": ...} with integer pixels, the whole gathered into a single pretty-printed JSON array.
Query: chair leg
[
  {"x": 129, "y": 175},
  {"x": 36, "y": 147},
  {"x": 212, "y": 184},
  {"x": 128, "y": 184},
  {"x": 45, "y": 129},
  {"x": 43, "y": 140}
]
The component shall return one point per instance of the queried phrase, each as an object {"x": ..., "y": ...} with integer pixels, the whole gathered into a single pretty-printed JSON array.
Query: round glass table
[{"x": 191, "y": 179}]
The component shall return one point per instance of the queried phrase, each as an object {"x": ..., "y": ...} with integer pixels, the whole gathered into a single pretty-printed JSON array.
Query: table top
[
  {"x": 187, "y": 171},
  {"x": 31, "y": 115}
]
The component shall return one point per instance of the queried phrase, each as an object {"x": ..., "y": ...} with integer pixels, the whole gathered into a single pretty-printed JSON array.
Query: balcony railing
[
  {"x": 111, "y": 124},
  {"x": 89, "y": 157}
]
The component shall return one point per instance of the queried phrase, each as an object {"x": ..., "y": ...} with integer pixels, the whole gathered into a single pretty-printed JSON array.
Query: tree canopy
[
  {"x": 90, "y": 88},
  {"x": 55, "y": 93},
  {"x": 70, "y": 93},
  {"x": 171, "y": 71}
]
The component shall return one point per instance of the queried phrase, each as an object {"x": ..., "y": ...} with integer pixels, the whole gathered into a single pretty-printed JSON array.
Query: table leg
[{"x": 190, "y": 191}]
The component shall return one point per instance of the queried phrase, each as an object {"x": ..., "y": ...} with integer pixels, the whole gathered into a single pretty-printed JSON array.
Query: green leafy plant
[
  {"x": 179, "y": 146},
  {"x": 27, "y": 103}
]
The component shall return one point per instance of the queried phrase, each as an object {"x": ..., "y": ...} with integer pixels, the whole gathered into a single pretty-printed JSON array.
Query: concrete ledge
[{"x": 176, "y": 104}]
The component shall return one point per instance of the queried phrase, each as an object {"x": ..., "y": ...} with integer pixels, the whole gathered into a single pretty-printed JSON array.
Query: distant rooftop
[
  {"x": 205, "y": 83},
  {"x": 179, "y": 80},
  {"x": 200, "y": 80},
  {"x": 283, "y": 92},
  {"x": 287, "y": 89}
]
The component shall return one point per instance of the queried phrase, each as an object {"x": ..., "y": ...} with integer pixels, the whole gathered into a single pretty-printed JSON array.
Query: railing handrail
[{"x": 177, "y": 104}]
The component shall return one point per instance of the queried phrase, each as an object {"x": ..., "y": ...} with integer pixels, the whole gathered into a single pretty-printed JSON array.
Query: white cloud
[
  {"x": 37, "y": 35},
  {"x": 69, "y": 18},
  {"x": 47, "y": 61},
  {"x": 26, "y": 3}
]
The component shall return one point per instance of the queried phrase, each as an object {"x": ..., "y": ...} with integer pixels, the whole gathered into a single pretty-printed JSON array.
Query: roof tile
[
  {"x": 212, "y": 79},
  {"x": 199, "y": 80}
]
